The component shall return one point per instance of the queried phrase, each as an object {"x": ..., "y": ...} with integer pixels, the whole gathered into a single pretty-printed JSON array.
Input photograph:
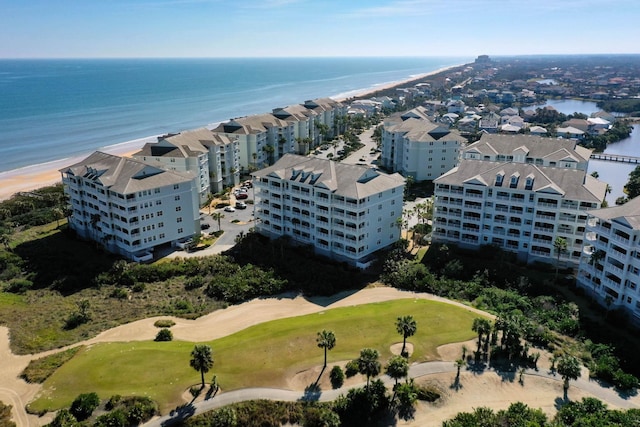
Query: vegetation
[
  {"x": 201, "y": 360},
  {"x": 336, "y": 376},
  {"x": 406, "y": 326},
  {"x": 368, "y": 363},
  {"x": 326, "y": 340},
  {"x": 5, "y": 416},
  {"x": 164, "y": 334},
  {"x": 587, "y": 412},
  {"x": 84, "y": 405},
  {"x": 39, "y": 370},
  {"x": 164, "y": 323},
  {"x": 290, "y": 348},
  {"x": 569, "y": 369},
  {"x": 632, "y": 188}
]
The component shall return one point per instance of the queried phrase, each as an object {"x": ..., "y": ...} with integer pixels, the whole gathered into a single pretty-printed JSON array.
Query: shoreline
[{"x": 29, "y": 178}]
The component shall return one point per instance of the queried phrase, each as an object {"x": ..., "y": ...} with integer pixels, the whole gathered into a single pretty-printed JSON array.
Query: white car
[{"x": 229, "y": 209}]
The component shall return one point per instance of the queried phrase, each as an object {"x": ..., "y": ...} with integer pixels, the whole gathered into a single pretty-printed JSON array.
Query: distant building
[
  {"x": 345, "y": 212},
  {"x": 262, "y": 139},
  {"x": 130, "y": 207},
  {"x": 518, "y": 193},
  {"x": 212, "y": 158},
  {"x": 413, "y": 145},
  {"x": 610, "y": 265}
]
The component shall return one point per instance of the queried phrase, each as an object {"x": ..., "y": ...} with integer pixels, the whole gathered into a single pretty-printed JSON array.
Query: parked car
[
  {"x": 229, "y": 209},
  {"x": 241, "y": 205},
  {"x": 205, "y": 226},
  {"x": 242, "y": 196}
]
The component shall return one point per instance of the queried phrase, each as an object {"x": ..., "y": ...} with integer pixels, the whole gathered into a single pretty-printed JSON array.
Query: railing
[
  {"x": 547, "y": 205},
  {"x": 620, "y": 239}
]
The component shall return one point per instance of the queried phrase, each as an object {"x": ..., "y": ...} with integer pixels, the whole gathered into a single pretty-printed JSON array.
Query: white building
[
  {"x": 262, "y": 139},
  {"x": 346, "y": 212},
  {"x": 520, "y": 194},
  {"x": 212, "y": 158},
  {"x": 413, "y": 145},
  {"x": 328, "y": 113},
  {"x": 305, "y": 132},
  {"x": 129, "y": 206},
  {"x": 610, "y": 265}
]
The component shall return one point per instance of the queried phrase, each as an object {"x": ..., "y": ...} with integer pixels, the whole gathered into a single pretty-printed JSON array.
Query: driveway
[{"x": 232, "y": 223}]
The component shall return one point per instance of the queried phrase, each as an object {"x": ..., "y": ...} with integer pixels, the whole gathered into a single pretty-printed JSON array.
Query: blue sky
[{"x": 256, "y": 28}]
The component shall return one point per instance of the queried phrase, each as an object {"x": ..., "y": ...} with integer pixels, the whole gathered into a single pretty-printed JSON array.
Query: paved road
[
  {"x": 231, "y": 229},
  {"x": 607, "y": 395}
]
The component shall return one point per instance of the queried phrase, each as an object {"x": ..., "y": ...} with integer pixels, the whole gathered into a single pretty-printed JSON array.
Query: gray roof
[
  {"x": 351, "y": 181},
  {"x": 421, "y": 130},
  {"x": 248, "y": 125},
  {"x": 627, "y": 215},
  {"x": 538, "y": 147},
  {"x": 124, "y": 175},
  {"x": 190, "y": 143},
  {"x": 573, "y": 184}
]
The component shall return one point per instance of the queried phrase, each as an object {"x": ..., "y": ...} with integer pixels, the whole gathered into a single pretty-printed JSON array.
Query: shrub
[
  {"x": 115, "y": 418},
  {"x": 352, "y": 368},
  {"x": 194, "y": 283},
  {"x": 139, "y": 287},
  {"x": 164, "y": 323},
  {"x": 224, "y": 417},
  {"x": 112, "y": 402},
  {"x": 164, "y": 334},
  {"x": 84, "y": 405},
  {"x": 64, "y": 418},
  {"x": 337, "y": 377},
  {"x": 119, "y": 293},
  {"x": 18, "y": 286}
]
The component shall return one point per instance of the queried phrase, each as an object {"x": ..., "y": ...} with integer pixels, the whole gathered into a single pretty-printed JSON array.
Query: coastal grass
[
  {"x": 39, "y": 370},
  {"x": 265, "y": 355}
]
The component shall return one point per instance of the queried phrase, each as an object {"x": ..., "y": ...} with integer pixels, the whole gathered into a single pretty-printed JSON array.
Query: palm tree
[
  {"x": 406, "y": 326},
  {"x": 201, "y": 359},
  {"x": 481, "y": 326},
  {"x": 368, "y": 363},
  {"x": 397, "y": 368},
  {"x": 218, "y": 217},
  {"x": 560, "y": 246},
  {"x": 326, "y": 340},
  {"x": 569, "y": 369}
]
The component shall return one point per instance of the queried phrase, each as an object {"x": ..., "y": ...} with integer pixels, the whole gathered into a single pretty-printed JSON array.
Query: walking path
[
  {"x": 416, "y": 371},
  {"x": 478, "y": 389}
]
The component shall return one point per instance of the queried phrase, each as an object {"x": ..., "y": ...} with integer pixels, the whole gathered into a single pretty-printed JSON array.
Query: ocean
[{"x": 58, "y": 109}]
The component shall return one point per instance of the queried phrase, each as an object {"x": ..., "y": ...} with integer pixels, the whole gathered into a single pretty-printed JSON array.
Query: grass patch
[
  {"x": 260, "y": 356},
  {"x": 40, "y": 369},
  {"x": 164, "y": 323}
]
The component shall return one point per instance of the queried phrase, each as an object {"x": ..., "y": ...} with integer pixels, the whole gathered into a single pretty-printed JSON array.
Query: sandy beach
[{"x": 32, "y": 177}]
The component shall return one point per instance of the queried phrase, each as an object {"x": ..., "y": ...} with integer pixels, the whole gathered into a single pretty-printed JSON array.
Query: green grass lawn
[{"x": 263, "y": 355}]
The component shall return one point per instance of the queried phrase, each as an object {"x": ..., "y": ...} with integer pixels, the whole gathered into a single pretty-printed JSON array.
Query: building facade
[
  {"x": 130, "y": 207},
  {"x": 346, "y": 212},
  {"x": 414, "y": 146},
  {"x": 610, "y": 264},
  {"x": 212, "y": 158},
  {"x": 519, "y": 194},
  {"x": 262, "y": 139}
]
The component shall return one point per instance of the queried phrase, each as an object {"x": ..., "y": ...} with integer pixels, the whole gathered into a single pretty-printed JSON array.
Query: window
[
  {"x": 180, "y": 230},
  {"x": 157, "y": 190},
  {"x": 160, "y": 224},
  {"x": 177, "y": 198},
  {"x": 161, "y": 236},
  {"x": 179, "y": 219},
  {"x": 158, "y": 202},
  {"x": 159, "y": 213},
  {"x": 176, "y": 186},
  {"x": 178, "y": 208}
]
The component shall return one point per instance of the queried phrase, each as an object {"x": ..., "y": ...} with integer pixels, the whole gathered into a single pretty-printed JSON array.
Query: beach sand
[{"x": 33, "y": 177}]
